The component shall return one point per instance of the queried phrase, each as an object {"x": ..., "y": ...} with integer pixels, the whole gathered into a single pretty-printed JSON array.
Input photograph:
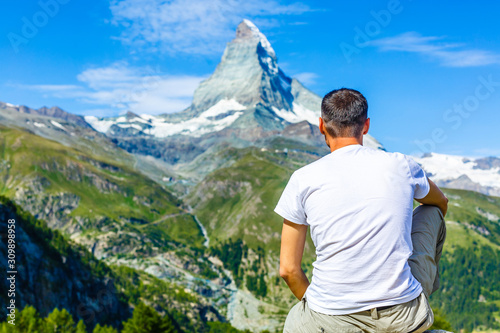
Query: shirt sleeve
[
  {"x": 290, "y": 205},
  {"x": 419, "y": 178}
]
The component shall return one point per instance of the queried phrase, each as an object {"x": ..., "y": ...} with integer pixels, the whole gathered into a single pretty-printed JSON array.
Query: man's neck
[{"x": 337, "y": 143}]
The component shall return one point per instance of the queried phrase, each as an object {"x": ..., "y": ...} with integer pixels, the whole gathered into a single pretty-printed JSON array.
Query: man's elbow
[{"x": 286, "y": 271}]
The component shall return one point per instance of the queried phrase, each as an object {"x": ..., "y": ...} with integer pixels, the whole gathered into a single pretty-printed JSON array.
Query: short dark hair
[{"x": 344, "y": 112}]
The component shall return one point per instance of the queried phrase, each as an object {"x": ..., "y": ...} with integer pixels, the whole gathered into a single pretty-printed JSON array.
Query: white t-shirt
[{"x": 358, "y": 203}]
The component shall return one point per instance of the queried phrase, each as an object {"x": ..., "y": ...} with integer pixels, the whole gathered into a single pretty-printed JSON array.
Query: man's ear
[
  {"x": 322, "y": 126},
  {"x": 366, "y": 126}
]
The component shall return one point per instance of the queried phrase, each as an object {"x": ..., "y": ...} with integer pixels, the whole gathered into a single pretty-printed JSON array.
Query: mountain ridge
[
  {"x": 477, "y": 174},
  {"x": 247, "y": 97},
  {"x": 54, "y": 111}
]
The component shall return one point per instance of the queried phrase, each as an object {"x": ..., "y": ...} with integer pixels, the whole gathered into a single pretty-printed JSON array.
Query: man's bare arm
[
  {"x": 435, "y": 197},
  {"x": 293, "y": 238}
]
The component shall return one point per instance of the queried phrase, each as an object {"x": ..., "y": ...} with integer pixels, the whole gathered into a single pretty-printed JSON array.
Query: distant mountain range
[
  {"x": 480, "y": 174},
  {"x": 247, "y": 97},
  {"x": 248, "y": 100},
  {"x": 188, "y": 198}
]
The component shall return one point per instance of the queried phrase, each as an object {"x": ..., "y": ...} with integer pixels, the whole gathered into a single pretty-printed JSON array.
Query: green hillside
[
  {"x": 39, "y": 164},
  {"x": 475, "y": 212},
  {"x": 70, "y": 277},
  {"x": 470, "y": 286},
  {"x": 88, "y": 196}
]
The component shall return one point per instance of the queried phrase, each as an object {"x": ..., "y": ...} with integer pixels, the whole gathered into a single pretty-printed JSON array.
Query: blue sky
[{"x": 430, "y": 71}]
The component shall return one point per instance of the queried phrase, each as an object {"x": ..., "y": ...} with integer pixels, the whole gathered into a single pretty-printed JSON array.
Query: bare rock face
[
  {"x": 465, "y": 183},
  {"x": 303, "y": 130},
  {"x": 487, "y": 163},
  {"x": 47, "y": 279}
]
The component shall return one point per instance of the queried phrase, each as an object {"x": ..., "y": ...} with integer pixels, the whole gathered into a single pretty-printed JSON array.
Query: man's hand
[
  {"x": 435, "y": 197},
  {"x": 293, "y": 238}
]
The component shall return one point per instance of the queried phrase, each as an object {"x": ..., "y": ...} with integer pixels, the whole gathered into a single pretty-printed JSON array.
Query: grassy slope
[
  {"x": 106, "y": 188},
  {"x": 181, "y": 227},
  {"x": 464, "y": 207},
  {"x": 238, "y": 201}
]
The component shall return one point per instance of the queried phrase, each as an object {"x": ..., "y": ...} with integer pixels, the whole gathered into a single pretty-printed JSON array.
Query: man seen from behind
[{"x": 377, "y": 258}]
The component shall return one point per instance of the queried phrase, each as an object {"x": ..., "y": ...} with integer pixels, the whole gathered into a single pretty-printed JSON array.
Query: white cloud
[
  {"x": 448, "y": 54},
  {"x": 55, "y": 87},
  {"x": 121, "y": 88},
  {"x": 99, "y": 112},
  {"x": 192, "y": 26},
  {"x": 307, "y": 78}
]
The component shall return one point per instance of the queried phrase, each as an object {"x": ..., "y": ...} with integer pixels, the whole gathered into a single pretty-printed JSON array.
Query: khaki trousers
[{"x": 428, "y": 235}]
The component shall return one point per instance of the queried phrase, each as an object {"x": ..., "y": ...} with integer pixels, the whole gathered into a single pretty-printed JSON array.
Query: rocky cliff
[{"x": 51, "y": 274}]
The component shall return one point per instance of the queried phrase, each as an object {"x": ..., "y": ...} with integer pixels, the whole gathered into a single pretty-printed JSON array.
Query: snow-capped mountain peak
[
  {"x": 248, "y": 73},
  {"x": 478, "y": 174},
  {"x": 247, "y": 96},
  {"x": 247, "y": 29}
]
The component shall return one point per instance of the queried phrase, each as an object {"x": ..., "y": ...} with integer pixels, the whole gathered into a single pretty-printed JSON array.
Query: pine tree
[
  {"x": 5, "y": 327},
  {"x": 104, "y": 329},
  {"x": 60, "y": 322},
  {"x": 146, "y": 320},
  {"x": 80, "y": 327},
  {"x": 262, "y": 291},
  {"x": 29, "y": 320}
]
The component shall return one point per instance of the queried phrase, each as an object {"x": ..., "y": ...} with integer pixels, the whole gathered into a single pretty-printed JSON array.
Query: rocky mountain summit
[
  {"x": 49, "y": 279},
  {"x": 247, "y": 99}
]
